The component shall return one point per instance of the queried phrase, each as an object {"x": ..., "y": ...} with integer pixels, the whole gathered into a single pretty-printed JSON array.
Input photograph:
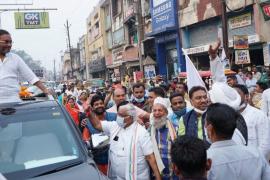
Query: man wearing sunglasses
[{"x": 13, "y": 68}]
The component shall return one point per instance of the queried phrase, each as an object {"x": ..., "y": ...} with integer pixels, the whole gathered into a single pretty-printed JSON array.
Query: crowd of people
[{"x": 160, "y": 131}]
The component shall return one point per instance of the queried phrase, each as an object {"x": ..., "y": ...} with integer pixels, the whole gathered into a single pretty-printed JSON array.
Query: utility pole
[
  {"x": 54, "y": 70},
  {"x": 67, "y": 26},
  {"x": 140, "y": 30},
  {"x": 224, "y": 27}
]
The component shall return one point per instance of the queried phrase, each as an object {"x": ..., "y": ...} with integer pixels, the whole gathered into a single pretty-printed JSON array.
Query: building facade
[
  {"x": 95, "y": 43},
  {"x": 82, "y": 49},
  {"x": 201, "y": 25}
]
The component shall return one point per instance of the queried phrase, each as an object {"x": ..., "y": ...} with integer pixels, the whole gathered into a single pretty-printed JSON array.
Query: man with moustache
[
  {"x": 139, "y": 98},
  {"x": 178, "y": 107},
  {"x": 98, "y": 110},
  {"x": 163, "y": 134},
  {"x": 131, "y": 151},
  {"x": 192, "y": 123},
  {"x": 13, "y": 68}
]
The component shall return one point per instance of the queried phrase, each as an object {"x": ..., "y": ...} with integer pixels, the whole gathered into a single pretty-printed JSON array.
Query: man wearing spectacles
[{"x": 12, "y": 68}]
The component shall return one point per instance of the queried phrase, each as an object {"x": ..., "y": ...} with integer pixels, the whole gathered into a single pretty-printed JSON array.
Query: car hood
[{"x": 83, "y": 171}]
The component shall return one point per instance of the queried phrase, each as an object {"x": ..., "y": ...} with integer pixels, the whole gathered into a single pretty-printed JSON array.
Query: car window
[{"x": 35, "y": 138}]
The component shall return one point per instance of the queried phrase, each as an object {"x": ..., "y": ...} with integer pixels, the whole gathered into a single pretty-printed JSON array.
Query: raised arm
[
  {"x": 216, "y": 66},
  {"x": 95, "y": 122}
]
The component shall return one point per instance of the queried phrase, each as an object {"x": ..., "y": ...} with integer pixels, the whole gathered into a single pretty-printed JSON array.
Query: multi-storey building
[
  {"x": 95, "y": 43},
  {"x": 82, "y": 49},
  {"x": 71, "y": 69},
  {"x": 200, "y": 24}
]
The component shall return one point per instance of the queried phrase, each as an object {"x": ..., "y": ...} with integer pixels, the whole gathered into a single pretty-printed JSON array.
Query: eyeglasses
[{"x": 6, "y": 42}]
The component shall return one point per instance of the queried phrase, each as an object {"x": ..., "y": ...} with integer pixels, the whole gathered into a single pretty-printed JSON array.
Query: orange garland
[{"x": 24, "y": 93}]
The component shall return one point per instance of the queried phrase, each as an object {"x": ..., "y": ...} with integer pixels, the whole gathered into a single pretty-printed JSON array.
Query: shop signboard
[
  {"x": 163, "y": 13},
  {"x": 242, "y": 57},
  {"x": 240, "y": 21},
  {"x": 149, "y": 72},
  {"x": 240, "y": 42},
  {"x": 265, "y": 6},
  {"x": 31, "y": 20}
]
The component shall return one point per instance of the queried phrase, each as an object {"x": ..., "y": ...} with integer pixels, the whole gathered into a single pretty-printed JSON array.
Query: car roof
[{"x": 31, "y": 104}]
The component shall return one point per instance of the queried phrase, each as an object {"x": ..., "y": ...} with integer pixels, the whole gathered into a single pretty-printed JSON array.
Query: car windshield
[{"x": 33, "y": 138}]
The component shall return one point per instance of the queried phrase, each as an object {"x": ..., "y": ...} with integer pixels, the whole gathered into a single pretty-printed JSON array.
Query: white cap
[
  {"x": 222, "y": 93},
  {"x": 163, "y": 101}
]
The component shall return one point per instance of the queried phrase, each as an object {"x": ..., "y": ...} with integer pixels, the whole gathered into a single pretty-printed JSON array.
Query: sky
[{"x": 48, "y": 44}]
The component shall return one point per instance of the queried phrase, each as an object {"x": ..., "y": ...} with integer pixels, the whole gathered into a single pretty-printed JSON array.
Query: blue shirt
[
  {"x": 236, "y": 162},
  {"x": 102, "y": 158}
]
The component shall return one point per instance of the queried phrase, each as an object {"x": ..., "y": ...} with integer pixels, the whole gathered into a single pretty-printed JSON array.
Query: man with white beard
[
  {"x": 131, "y": 151},
  {"x": 163, "y": 133}
]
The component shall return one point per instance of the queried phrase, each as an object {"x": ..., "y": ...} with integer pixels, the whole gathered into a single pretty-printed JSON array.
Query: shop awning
[
  {"x": 149, "y": 61},
  {"x": 114, "y": 65},
  {"x": 208, "y": 73},
  {"x": 132, "y": 64}
]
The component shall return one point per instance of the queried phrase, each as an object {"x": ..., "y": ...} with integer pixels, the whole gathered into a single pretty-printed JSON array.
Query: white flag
[{"x": 193, "y": 76}]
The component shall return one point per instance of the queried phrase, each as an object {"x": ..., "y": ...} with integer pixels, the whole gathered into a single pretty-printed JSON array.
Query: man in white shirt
[
  {"x": 12, "y": 67},
  {"x": 251, "y": 82},
  {"x": 257, "y": 75},
  {"x": 266, "y": 102},
  {"x": 131, "y": 149},
  {"x": 257, "y": 123},
  {"x": 230, "y": 160}
]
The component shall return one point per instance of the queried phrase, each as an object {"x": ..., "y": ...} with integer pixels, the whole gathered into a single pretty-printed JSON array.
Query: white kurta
[
  {"x": 12, "y": 69},
  {"x": 119, "y": 150},
  {"x": 258, "y": 129},
  {"x": 266, "y": 102},
  {"x": 218, "y": 76}
]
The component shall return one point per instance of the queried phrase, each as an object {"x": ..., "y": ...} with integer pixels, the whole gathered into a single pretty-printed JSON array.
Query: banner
[
  {"x": 240, "y": 21},
  {"x": 240, "y": 42},
  {"x": 163, "y": 14},
  {"x": 242, "y": 57},
  {"x": 31, "y": 20},
  {"x": 138, "y": 76},
  {"x": 149, "y": 72},
  {"x": 265, "y": 6}
]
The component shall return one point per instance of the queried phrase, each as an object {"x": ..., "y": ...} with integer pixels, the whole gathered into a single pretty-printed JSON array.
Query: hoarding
[
  {"x": 240, "y": 42},
  {"x": 242, "y": 57},
  {"x": 149, "y": 72},
  {"x": 265, "y": 6},
  {"x": 31, "y": 20},
  {"x": 163, "y": 13}
]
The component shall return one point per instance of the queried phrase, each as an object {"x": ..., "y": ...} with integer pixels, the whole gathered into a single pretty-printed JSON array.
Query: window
[
  {"x": 97, "y": 25},
  {"x": 25, "y": 133},
  {"x": 116, "y": 7}
]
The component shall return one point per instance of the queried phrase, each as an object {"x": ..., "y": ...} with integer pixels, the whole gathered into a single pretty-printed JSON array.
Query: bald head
[{"x": 119, "y": 95}]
